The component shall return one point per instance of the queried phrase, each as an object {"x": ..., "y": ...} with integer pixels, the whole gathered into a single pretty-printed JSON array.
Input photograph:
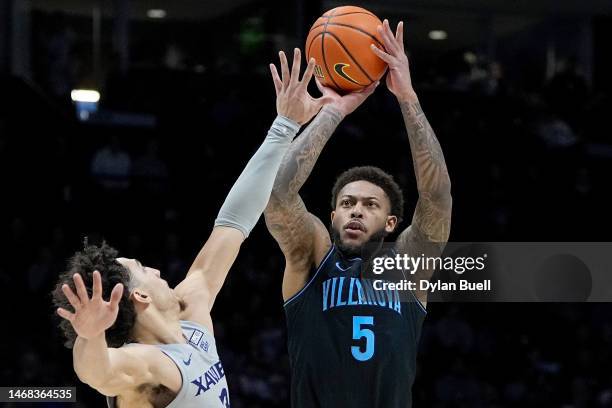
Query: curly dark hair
[
  {"x": 103, "y": 259},
  {"x": 375, "y": 176}
]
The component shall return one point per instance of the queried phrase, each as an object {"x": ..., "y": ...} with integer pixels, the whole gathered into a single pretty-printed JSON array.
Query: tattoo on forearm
[
  {"x": 304, "y": 152},
  {"x": 417, "y": 112},
  {"x": 432, "y": 215},
  {"x": 429, "y": 164}
]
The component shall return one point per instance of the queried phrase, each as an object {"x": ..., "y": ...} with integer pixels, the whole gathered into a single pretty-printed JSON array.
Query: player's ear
[
  {"x": 391, "y": 223},
  {"x": 140, "y": 298},
  {"x": 333, "y": 214}
]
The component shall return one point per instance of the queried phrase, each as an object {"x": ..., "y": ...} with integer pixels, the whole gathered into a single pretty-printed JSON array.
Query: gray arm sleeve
[{"x": 249, "y": 196}]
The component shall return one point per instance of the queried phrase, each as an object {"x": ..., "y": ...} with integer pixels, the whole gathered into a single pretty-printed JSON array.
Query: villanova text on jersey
[
  {"x": 349, "y": 344},
  {"x": 346, "y": 291}
]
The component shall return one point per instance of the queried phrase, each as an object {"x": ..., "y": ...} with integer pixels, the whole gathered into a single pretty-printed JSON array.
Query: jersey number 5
[{"x": 359, "y": 332}]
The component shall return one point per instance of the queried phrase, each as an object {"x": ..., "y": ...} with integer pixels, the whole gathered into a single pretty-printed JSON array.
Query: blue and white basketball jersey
[
  {"x": 204, "y": 381},
  {"x": 349, "y": 344}
]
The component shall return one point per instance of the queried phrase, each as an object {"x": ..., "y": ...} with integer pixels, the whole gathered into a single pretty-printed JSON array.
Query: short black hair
[
  {"x": 101, "y": 258},
  {"x": 377, "y": 177}
]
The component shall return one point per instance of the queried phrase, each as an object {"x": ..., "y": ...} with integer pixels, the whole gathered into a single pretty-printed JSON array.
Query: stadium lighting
[
  {"x": 438, "y": 35},
  {"x": 156, "y": 13},
  {"x": 84, "y": 95}
]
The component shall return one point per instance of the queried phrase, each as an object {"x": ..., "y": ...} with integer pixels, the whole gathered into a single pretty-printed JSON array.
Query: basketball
[{"x": 339, "y": 41}]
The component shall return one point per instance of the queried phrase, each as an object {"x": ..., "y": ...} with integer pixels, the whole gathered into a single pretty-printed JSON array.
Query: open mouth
[{"x": 355, "y": 226}]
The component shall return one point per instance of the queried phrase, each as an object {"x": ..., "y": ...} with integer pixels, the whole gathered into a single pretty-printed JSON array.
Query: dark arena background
[{"x": 517, "y": 91}]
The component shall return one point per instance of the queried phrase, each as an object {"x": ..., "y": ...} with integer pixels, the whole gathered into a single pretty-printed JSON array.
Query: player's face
[
  {"x": 150, "y": 281},
  {"x": 361, "y": 214}
]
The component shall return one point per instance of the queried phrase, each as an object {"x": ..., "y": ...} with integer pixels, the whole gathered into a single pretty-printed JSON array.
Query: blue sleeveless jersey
[
  {"x": 204, "y": 382},
  {"x": 350, "y": 345}
]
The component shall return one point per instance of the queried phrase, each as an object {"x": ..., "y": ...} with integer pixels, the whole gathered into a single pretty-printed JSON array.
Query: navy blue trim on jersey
[{"x": 292, "y": 298}]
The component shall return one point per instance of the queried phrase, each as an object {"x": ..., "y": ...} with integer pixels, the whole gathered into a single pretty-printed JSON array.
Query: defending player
[
  {"x": 349, "y": 345},
  {"x": 153, "y": 346}
]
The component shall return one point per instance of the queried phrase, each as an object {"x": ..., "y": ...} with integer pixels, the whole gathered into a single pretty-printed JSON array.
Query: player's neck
[{"x": 153, "y": 327}]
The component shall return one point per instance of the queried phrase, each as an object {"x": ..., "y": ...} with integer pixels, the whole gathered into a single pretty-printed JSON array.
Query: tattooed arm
[
  {"x": 430, "y": 226},
  {"x": 302, "y": 237},
  {"x": 431, "y": 220}
]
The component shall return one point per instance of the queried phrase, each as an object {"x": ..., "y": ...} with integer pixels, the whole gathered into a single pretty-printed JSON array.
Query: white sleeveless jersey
[{"x": 204, "y": 382}]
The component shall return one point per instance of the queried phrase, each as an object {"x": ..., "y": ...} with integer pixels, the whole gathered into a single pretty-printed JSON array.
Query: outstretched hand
[
  {"x": 93, "y": 316},
  {"x": 292, "y": 98},
  {"x": 398, "y": 81}
]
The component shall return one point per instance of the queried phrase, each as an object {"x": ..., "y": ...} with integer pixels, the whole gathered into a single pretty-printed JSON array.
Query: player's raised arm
[
  {"x": 432, "y": 216},
  {"x": 301, "y": 236},
  {"x": 249, "y": 195}
]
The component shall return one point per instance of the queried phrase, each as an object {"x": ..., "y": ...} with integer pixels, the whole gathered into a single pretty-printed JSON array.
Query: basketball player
[
  {"x": 349, "y": 346},
  {"x": 153, "y": 346}
]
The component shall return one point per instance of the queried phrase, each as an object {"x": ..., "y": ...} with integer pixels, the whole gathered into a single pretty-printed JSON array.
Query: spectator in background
[
  {"x": 174, "y": 58},
  {"x": 555, "y": 133},
  {"x": 111, "y": 166}
]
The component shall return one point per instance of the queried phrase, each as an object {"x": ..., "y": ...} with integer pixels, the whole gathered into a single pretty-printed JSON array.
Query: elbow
[
  {"x": 88, "y": 375},
  {"x": 94, "y": 380},
  {"x": 279, "y": 194},
  {"x": 94, "y": 375},
  {"x": 80, "y": 374},
  {"x": 275, "y": 194}
]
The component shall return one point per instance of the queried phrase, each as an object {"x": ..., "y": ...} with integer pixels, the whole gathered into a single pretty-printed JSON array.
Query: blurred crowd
[{"x": 527, "y": 164}]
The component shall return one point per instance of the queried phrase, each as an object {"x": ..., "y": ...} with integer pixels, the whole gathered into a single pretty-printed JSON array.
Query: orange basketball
[{"x": 339, "y": 41}]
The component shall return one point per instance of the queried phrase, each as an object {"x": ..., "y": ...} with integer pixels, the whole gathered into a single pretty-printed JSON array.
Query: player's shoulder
[
  {"x": 137, "y": 349},
  {"x": 142, "y": 364},
  {"x": 133, "y": 365},
  {"x": 150, "y": 358}
]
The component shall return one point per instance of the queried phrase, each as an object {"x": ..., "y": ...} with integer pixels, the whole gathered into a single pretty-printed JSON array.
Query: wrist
[
  {"x": 334, "y": 111},
  {"x": 96, "y": 338},
  {"x": 407, "y": 96},
  {"x": 286, "y": 125}
]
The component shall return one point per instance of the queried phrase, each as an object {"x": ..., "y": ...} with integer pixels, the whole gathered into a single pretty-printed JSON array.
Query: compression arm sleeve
[{"x": 249, "y": 196}]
